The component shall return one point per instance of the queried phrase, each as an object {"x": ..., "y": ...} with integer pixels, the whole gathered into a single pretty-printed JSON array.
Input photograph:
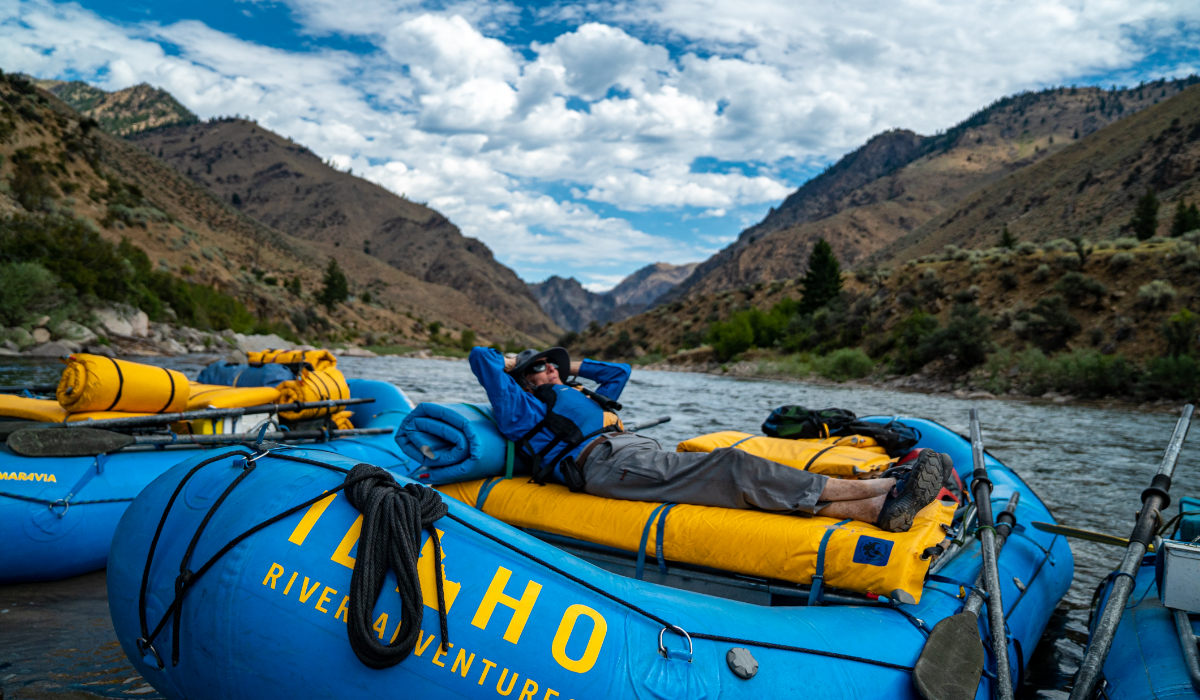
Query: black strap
[
  {"x": 120, "y": 384},
  {"x": 818, "y": 456},
  {"x": 171, "y": 378}
]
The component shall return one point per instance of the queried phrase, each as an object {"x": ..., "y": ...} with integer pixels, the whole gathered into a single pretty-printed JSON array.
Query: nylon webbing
[
  {"x": 510, "y": 446},
  {"x": 817, "y": 588},
  {"x": 658, "y": 540},
  {"x": 748, "y": 437},
  {"x": 485, "y": 489},
  {"x": 641, "y": 557},
  {"x": 818, "y": 456}
]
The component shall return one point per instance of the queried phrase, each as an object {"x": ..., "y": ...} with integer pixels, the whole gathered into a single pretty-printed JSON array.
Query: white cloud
[{"x": 615, "y": 110}]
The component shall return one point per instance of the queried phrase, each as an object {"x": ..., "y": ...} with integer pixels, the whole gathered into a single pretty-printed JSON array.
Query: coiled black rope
[{"x": 393, "y": 518}]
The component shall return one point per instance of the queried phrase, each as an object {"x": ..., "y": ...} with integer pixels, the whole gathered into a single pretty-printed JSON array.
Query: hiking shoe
[
  {"x": 951, "y": 483},
  {"x": 913, "y": 491}
]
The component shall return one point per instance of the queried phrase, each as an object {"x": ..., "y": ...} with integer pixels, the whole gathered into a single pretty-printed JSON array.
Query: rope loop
[{"x": 393, "y": 518}]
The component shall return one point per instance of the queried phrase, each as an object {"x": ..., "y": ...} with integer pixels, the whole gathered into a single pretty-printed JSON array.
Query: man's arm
[
  {"x": 515, "y": 410},
  {"x": 611, "y": 376}
]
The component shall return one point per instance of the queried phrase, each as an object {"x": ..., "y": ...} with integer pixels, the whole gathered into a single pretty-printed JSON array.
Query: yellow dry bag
[
  {"x": 98, "y": 383},
  {"x": 846, "y": 457}
]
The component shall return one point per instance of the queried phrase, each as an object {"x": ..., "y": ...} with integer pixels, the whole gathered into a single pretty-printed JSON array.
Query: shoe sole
[{"x": 924, "y": 486}]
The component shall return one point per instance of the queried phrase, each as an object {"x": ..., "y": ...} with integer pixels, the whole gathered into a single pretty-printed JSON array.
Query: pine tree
[
  {"x": 1187, "y": 218},
  {"x": 1007, "y": 240},
  {"x": 1145, "y": 216},
  {"x": 823, "y": 281},
  {"x": 335, "y": 289}
]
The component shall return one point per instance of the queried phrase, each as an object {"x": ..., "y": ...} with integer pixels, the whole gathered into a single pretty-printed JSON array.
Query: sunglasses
[{"x": 540, "y": 367}]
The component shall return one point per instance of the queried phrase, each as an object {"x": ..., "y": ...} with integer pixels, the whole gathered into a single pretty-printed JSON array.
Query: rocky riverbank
[{"x": 126, "y": 331}]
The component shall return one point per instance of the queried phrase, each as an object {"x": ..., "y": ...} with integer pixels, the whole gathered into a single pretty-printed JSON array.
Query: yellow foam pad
[
  {"x": 20, "y": 407},
  {"x": 216, "y": 396},
  {"x": 848, "y": 456},
  {"x": 98, "y": 383},
  {"x": 747, "y": 542},
  {"x": 319, "y": 359}
]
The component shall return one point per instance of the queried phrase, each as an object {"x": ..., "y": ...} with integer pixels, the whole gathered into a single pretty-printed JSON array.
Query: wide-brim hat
[{"x": 530, "y": 357}]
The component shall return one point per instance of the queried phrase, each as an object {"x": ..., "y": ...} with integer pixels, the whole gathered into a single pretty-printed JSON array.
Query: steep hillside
[
  {"x": 287, "y": 187},
  {"x": 56, "y": 168},
  {"x": 899, "y": 181},
  {"x": 1088, "y": 189},
  {"x": 573, "y": 307},
  {"x": 125, "y": 112}
]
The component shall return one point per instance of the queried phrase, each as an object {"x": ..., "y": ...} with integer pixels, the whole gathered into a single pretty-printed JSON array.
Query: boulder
[
  {"x": 104, "y": 350},
  {"x": 42, "y": 321},
  {"x": 10, "y": 345},
  {"x": 354, "y": 351},
  {"x": 21, "y": 337},
  {"x": 170, "y": 346},
  {"x": 41, "y": 335},
  {"x": 54, "y": 349},
  {"x": 75, "y": 332},
  {"x": 258, "y": 343},
  {"x": 123, "y": 319},
  {"x": 6, "y": 352}
]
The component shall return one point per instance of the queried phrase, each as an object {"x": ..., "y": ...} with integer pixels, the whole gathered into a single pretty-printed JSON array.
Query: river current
[{"x": 1088, "y": 464}]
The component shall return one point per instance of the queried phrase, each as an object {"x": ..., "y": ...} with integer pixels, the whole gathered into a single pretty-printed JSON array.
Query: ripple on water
[{"x": 1088, "y": 464}]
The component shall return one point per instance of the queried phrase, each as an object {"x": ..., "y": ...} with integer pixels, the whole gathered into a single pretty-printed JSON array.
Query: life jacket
[{"x": 566, "y": 434}]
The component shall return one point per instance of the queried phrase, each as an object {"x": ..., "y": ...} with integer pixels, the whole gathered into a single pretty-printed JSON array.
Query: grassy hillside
[
  {"x": 1088, "y": 189},
  {"x": 68, "y": 190},
  {"x": 1114, "y": 321},
  {"x": 125, "y": 112},
  {"x": 896, "y": 184}
]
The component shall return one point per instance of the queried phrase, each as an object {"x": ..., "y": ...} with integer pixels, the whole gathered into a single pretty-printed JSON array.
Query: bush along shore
[{"x": 1068, "y": 320}]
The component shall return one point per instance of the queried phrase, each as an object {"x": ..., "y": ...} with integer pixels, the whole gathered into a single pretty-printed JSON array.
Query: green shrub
[
  {"x": 1078, "y": 287},
  {"x": 1125, "y": 243},
  {"x": 966, "y": 338},
  {"x": 1049, "y": 324},
  {"x": 1088, "y": 373},
  {"x": 731, "y": 337},
  {"x": 843, "y": 364},
  {"x": 1174, "y": 377},
  {"x": 1026, "y": 248},
  {"x": 335, "y": 289},
  {"x": 909, "y": 335},
  {"x": 26, "y": 290},
  {"x": 1180, "y": 330},
  {"x": 1120, "y": 261},
  {"x": 1042, "y": 273},
  {"x": 1156, "y": 294}
]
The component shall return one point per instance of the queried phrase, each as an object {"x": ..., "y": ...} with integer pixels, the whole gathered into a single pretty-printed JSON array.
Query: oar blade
[
  {"x": 77, "y": 442},
  {"x": 1101, "y": 537},
  {"x": 951, "y": 663}
]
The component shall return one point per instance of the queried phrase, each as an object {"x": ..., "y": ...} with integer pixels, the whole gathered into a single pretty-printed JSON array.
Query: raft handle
[
  {"x": 60, "y": 502},
  {"x": 143, "y": 646},
  {"x": 662, "y": 649}
]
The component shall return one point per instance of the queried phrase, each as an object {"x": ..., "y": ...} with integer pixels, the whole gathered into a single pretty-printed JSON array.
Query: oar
[
  {"x": 1154, "y": 500},
  {"x": 951, "y": 663},
  {"x": 88, "y": 442},
  {"x": 648, "y": 424},
  {"x": 160, "y": 419},
  {"x": 1079, "y": 534},
  {"x": 31, "y": 388}
]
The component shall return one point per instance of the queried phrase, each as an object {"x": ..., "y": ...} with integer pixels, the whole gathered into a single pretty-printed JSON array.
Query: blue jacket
[{"x": 518, "y": 411}]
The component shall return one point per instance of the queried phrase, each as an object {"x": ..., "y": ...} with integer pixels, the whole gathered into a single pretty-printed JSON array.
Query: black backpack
[{"x": 800, "y": 423}]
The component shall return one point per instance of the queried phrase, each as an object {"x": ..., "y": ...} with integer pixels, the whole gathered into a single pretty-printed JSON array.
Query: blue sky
[{"x": 591, "y": 139}]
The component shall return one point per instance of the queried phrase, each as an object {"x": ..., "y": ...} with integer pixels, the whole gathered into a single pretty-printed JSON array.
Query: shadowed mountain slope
[{"x": 573, "y": 307}]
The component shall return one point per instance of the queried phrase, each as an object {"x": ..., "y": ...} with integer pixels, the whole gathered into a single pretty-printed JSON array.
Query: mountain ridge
[{"x": 573, "y": 307}]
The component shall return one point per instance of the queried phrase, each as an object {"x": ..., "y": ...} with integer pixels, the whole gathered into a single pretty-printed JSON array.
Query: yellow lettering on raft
[
  {"x": 325, "y": 598},
  {"x": 521, "y": 608},
  {"x": 529, "y": 690},
  {"x": 423, "y": 642},
  {"x": 311, "y": 516},
  {"x": 290, "y": 582},
  {"x": 273, "y": 575},
  {"x": 463, "y": 661},
  {"x": 487, "y": 666},
  {"x": 511, "y": 683},
  {"x": 343, "y": 611},
  {"x": 592, "y": 652},
  {"x": 380, "y": 625},
  {"x": 342, "y": 554},
  {"x": 441, "y": 651},
  {"x": 52, "y": 479},
  {"x": 426, "y": 575},
  {"x": 305, "y": 592},
  {"x": 550, "y": 691}
]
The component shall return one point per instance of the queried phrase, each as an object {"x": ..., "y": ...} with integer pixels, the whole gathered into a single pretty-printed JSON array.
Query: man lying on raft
[{"x": 573, "y": 437}]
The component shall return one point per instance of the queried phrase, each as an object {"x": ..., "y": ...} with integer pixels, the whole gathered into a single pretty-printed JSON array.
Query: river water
[{"x": 1088, "y": 464}]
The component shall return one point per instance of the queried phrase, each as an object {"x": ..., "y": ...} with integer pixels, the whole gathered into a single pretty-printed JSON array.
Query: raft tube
[
  {"x": 58, "y": 515},
  {"x": 525, "y": 617},
  {"x": 1146, "y": 660}
]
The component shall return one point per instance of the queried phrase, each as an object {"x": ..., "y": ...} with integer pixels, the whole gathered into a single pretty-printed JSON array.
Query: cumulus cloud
[{"x": 524, "y": 144}]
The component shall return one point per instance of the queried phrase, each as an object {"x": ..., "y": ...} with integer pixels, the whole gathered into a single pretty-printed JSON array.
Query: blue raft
[
  {"x": 58, "y": 515},
  {"x": 268, "y": 617}
]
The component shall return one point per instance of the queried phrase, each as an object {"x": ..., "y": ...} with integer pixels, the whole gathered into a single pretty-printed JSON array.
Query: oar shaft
[
  {"x": 649, "y": 423},
  {"x": 975, "y": 601},
  {"x": 251, "y": 437},
  {"x": 1154, "y": 499},
  {"x": 982, "y": 488}
]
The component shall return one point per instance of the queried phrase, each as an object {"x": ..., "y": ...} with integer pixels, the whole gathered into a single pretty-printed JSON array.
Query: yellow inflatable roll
[
  {"x": 313, "y": 386},
  {"x": 21, "y": 408},
  {"x": 320, "y": 360},
  {"x": 341, "y": 420},
  {"x": 845, "y": 457},
  {"x": 203, "y": 396},
  {"x": 98, "y": 383},
  {"x": 858, "y": 556}
]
